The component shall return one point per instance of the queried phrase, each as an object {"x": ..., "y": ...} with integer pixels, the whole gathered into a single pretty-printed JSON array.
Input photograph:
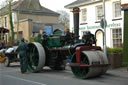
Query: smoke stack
[{"x": 76, "y": 11}]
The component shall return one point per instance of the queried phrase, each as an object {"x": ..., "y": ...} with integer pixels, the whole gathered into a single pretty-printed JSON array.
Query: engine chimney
[{"x": 76, "y": 11}]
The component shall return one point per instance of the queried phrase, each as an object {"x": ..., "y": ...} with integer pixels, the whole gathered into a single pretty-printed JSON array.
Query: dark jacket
[{"x": 22, "y": 49}]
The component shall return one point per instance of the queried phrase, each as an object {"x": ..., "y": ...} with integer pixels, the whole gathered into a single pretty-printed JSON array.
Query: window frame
[
  {"x": 119, "y": 34},
  {"x": 85, "y": 15},
  {"x": 5, "y": 21},
  {"x": 0, "y": 22},
  {"x": 14, "y": 17},
  {"x": 115, "y": 10},
  {"x": 97, "y": 14}
]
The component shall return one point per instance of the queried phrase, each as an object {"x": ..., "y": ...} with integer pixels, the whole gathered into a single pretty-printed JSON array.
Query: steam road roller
[{"x": 87, "y": 59}]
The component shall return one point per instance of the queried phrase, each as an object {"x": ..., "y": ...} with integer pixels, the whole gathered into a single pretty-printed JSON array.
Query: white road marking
[
  {"x": 25, "y": 80},
  {"x": 2, "y": 71}
]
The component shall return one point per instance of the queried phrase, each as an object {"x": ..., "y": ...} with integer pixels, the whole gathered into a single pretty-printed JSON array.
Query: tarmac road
[{"x": 12, "y": 76}]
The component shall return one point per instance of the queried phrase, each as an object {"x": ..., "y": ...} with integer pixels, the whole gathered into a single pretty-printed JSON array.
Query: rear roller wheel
[
  {"x": 36, "y": 57},
  {"x": 80, "y": 72}
]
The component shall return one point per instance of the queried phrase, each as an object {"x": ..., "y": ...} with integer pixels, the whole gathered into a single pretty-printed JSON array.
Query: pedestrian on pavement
[
  {"x": 22, "y": 51},
  {"x": 1, "y": 45}
]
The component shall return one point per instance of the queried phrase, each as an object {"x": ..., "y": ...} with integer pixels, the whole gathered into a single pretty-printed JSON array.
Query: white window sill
[
  {"x": 83, "y": 23},
  {"x": 114, "y": 19}
]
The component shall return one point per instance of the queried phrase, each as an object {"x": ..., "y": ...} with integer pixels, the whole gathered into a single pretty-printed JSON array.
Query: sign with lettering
[{"x": 113, "y": 25}]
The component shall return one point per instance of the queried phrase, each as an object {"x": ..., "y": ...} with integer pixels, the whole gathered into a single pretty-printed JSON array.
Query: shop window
[
  {"x": 99, "y": 12},
  {"x": 117, "y": 37},
  {"x": 83, "y": 15},
  {"x": 116, "y": 9}
]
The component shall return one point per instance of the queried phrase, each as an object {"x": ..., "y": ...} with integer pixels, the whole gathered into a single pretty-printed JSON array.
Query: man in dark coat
[{"x": 22, "y": 51}]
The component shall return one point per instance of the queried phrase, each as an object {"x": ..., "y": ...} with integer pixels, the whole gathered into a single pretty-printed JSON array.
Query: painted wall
[
  {"x": 25, "y": 27},
  {"x": 3, "y": 20}
]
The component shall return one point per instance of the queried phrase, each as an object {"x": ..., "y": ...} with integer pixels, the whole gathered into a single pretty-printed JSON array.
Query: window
[
  {"x": 99, "y": 12},
  {"x": 116, "y": 9},
  {"x": 83, "y": 15},
  {"x": 0, "y": 22},
  {"x": 5, "y": 21},
  {"x": 117, "y": 37},
  {"x": 14, "y": 17}
]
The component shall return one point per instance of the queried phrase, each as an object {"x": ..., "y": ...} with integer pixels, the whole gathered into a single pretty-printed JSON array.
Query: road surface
[{"x": 12, "y": 76}]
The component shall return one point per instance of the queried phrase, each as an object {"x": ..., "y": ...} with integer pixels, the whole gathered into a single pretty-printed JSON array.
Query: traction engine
[{"x": 87, "y": 60}]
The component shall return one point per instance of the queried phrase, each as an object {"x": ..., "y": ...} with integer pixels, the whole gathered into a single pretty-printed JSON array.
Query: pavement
[{"x": 122, "y": 72}]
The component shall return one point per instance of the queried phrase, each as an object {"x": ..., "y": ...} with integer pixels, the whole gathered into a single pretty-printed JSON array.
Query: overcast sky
[{"x": 53, "y": 4}]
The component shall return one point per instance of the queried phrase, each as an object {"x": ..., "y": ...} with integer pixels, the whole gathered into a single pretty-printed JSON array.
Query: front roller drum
[
  {"x": 78, "y": 71},
  {"x": 92, "y": 64},
  {"x": 36, "y": 57}
]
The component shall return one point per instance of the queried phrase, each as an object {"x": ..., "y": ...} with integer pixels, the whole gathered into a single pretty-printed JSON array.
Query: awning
[{"x": 3, "y": 30}]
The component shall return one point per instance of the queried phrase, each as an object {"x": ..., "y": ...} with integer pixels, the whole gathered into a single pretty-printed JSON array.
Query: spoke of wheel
[
  {"x": 34, "y": 57},
  {"x": 31, "y": 54}
]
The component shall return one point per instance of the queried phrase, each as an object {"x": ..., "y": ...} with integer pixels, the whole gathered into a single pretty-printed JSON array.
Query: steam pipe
[{"x": 76, "y": 11}]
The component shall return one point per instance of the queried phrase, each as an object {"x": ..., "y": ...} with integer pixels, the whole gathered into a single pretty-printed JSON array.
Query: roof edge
[
  {"x": 20, "y": 3},
  {"x": 81, "y": 4}
]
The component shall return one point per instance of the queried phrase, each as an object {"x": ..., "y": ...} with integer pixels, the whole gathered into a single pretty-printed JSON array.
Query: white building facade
[{"x": 91, "y": 13}]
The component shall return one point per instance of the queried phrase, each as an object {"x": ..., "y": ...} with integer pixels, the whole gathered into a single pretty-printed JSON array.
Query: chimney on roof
[{"x": 34, "y": 4}]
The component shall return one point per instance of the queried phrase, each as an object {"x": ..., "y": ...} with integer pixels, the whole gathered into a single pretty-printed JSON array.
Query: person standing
[{"x": 22, "y": 51}]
